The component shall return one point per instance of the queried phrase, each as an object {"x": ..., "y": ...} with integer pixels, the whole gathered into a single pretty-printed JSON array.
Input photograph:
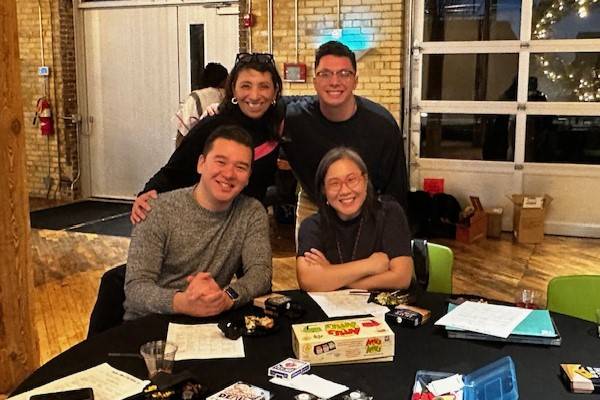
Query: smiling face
[
  {"x": 335, "y": 81},
  {"x": 345, "y": 188},
  {"x": 225, "y": 173},
  {"x": 254, "y": 91}
]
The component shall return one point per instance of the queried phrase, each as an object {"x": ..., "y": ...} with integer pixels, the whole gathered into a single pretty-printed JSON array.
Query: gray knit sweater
[{"x": 179, "y": 238}]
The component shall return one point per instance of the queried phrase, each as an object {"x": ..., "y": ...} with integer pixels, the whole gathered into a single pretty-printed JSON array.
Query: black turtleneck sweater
[{"x": 180, "y": 171}]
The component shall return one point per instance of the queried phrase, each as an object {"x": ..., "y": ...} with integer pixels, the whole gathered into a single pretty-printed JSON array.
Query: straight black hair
[
  {"x": 229, "y": 132},
  {"x": 370, "y": 205}
]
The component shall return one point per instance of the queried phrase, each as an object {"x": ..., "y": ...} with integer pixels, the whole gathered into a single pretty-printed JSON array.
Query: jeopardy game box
[{"x": 346, "y": 340}]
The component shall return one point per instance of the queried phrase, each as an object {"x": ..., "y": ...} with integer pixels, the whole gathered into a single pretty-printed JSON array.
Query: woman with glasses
[
  {"x": 355, "y": 240},
  {"x": 251, "y": 95}
]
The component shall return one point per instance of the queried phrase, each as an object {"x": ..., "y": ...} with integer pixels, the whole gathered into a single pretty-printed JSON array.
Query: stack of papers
[{"x": 483, "y": 321}]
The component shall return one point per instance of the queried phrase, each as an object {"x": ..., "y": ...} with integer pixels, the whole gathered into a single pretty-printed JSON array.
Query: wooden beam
[{"x": 19, "y": 352}]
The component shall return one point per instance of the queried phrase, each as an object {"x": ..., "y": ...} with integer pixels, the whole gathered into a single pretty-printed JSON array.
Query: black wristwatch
[{"x": 233, "y": 295}]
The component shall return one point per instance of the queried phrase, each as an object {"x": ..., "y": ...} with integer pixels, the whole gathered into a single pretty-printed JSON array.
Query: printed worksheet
[
  {"x": 203, "y": 342},
  {"x": 344, "y": 303},
  {"x": 108, "y": 383},
  {"x": 489, "y": 319}
]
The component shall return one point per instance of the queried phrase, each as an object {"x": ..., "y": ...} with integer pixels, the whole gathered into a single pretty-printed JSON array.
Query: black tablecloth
[{"x": 425, "y": 347}]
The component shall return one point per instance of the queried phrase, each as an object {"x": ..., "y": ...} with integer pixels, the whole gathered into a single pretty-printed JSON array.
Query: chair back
[
  {"x": 575, "y": 295},
  {"x": 108, "y": 311},
  {"x": 420, "y": 261},
  {"x": 441, "y": 259},
  {"x": 433, "y": 266}
]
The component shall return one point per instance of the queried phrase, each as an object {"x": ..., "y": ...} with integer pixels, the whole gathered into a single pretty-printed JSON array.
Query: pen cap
[{"x": 495, "y": 381}]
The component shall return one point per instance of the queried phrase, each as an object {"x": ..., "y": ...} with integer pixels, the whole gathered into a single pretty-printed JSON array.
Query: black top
[
  {"x": 181, "y": 169},
  {"x": 372, "y": 132},
  {"x": 386, "y": 231},
  {"x": 425, "y": 347}
]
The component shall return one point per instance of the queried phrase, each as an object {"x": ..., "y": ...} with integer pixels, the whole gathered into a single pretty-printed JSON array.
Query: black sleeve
[
  {"x": 394, "y": 161},
  {"x": 295, "y": 98},
  {"x": 396, "y": 235},
  {"x": 180, "y": 171},
  {"x": 309, "y": 235}
]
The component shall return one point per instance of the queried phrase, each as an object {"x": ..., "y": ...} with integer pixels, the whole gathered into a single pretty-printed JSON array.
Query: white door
[
  {"x": 505, "y": 98},
  {"x": 138, "y": 62},
  {"x": 206, "y": 34}
]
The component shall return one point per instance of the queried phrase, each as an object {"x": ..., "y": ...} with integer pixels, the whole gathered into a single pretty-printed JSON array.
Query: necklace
[{"x": 339, "y": 247}]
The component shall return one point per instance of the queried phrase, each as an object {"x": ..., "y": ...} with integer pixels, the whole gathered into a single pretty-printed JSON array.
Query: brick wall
[
  {"x": 51, "y": 161},
  {"x": 378, "y": 22}
]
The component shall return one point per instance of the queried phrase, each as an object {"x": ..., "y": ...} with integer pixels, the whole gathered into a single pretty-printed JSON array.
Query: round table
[{"x": 425, "y": 347}]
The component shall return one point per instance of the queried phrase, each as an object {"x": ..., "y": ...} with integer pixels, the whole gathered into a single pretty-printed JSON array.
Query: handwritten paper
[
  {"x": 341, "y": 303},
  {"x": 314, "y": 384},
  {"x": 489, "y": 319},
  {"x": 202, "y": 342},
  {"x": 108, "y": 383}
]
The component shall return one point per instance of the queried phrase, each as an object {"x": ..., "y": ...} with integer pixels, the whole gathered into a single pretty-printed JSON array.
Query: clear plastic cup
[
  {"x": 527, "y": 298},
  {"x": 159, "y": 355}
]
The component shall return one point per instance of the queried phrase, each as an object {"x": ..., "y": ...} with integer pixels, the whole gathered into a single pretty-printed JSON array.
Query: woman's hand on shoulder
[{"x": 379, "y": 261}]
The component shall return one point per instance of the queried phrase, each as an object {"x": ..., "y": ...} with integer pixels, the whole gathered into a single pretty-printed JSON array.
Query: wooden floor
[{"x": 68, "y": 267}]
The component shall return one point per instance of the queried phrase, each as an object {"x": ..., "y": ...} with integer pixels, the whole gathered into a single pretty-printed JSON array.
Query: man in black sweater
[{"x": 336, "y": 117}]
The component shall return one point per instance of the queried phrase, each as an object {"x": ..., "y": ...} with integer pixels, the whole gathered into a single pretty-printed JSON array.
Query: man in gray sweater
[{"x": 183, "y": 255}]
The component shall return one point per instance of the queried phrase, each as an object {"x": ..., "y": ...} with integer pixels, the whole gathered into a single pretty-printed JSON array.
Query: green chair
[
  {"x": 433, "y": 266},
  {"x": 441, "y": 260},
  {"x": 575, "y": 295}
]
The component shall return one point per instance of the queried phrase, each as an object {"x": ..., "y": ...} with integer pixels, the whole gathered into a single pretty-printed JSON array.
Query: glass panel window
[
  {"x": 563, "y": 139},
  {"x": 565, "y": 19},
  {"x": 565, "y": 77},
  {"x": 447, "y": 20},
  {"x": 197, "y": 61},
  {"x": 468, "y": 136},
  {"x": 483, "y": 77}
]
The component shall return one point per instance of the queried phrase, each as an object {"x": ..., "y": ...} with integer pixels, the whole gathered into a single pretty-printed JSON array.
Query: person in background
[
  {"x": 251, "y": 95},
  {"x": 183, "y": 255},
  {"x": 211, "y": 91},
  {"x": 355, "y": 240}
]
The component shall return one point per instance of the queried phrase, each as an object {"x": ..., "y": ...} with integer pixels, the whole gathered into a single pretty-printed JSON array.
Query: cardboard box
[
  {"x": 494, "y": 221},
  {"x": 528, "y": 217},
  {"x": 349, "y": 340},
  {"x": 476, "y": 227}
]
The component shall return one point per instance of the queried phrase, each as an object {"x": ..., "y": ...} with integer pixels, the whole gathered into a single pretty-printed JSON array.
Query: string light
[{"x": 575, "y": 77}]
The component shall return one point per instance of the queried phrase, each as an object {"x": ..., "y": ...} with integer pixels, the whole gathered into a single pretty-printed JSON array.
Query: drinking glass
[{"x": 159, "y": 355}]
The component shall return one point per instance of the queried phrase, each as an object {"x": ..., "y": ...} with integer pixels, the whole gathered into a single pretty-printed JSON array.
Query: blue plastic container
[{"x": 495, "y": 381}]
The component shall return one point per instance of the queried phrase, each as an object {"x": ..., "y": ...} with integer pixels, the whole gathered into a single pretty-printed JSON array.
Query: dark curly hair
[{"x": 275, "y": 112}]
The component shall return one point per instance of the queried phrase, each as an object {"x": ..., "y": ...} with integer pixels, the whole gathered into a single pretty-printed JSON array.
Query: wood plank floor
[{"x": 68, "y": 267}]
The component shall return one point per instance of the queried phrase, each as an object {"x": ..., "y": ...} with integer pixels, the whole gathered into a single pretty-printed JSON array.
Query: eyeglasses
[
  {"x": 342, "y": 74},
  {"x": 352, "y": 181},
  {"x": 262, "y": 58}
]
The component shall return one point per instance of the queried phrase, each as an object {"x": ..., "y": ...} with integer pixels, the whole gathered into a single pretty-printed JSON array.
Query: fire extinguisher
[{"x": 44, "y": 113}]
